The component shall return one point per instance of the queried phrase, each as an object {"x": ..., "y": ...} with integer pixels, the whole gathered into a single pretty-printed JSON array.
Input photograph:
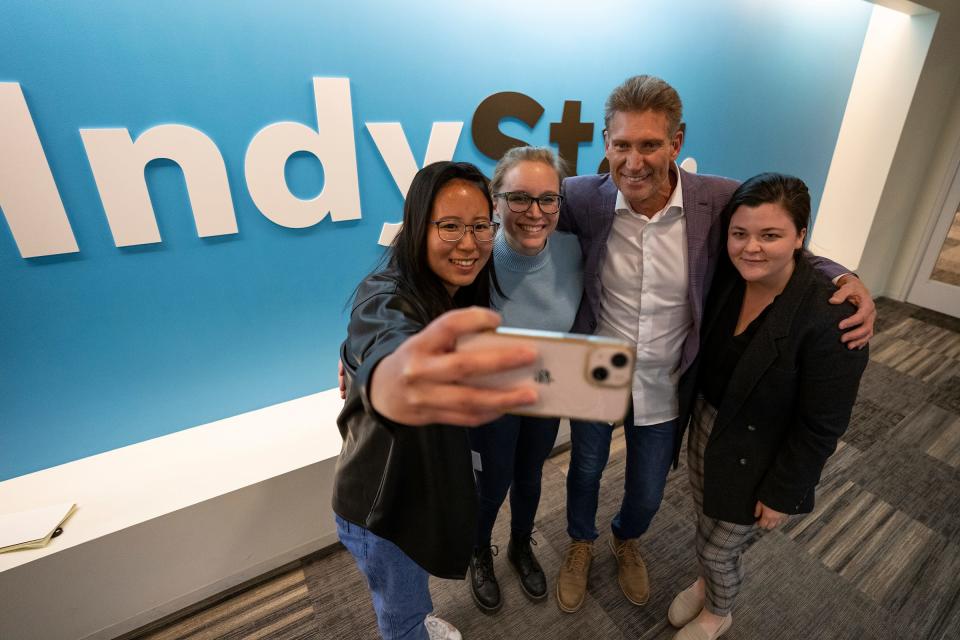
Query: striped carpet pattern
[{"x": 878, "y": 559}]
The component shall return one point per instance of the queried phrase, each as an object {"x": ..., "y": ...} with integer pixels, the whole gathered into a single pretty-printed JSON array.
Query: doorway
[{"x": 937, "y": 282}]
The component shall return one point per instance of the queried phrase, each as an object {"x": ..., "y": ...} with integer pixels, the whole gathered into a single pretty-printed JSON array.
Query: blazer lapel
[
  {"x": 697, "y": 211},
  {"x": 698, "y": 216},
  {"x": 763, "y": 349},
  {"x": 602, "y": 216},
  {"x": 607, "y": 205}
]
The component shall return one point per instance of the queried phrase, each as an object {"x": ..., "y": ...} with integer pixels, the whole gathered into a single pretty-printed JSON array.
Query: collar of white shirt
[{"x": 673, "y": 207}]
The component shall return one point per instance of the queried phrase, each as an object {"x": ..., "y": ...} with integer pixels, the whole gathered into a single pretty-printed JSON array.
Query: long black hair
[{"x": 408, "y": 252}]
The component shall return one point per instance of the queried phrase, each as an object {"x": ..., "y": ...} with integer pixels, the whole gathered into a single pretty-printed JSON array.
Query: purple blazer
[{"x": 588, "y": 211}]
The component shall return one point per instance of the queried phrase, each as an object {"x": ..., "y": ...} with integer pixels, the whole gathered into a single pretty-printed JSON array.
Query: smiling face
[
  {"x": 458, "y": 263},
  {"x": 527, "y": 232},
  {"x": 761, "y": 243},
  {"x": 641, "y": 151}
]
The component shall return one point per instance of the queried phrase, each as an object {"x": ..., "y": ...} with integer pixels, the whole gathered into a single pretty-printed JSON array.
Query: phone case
[{"x": 577, "y": 376}]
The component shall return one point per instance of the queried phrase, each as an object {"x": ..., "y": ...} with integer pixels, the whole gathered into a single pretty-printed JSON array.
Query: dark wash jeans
[
  {"x": 398, "y": 586},
  {"x": 649, "y": 456},
  {"x": 512, "y": 452}
]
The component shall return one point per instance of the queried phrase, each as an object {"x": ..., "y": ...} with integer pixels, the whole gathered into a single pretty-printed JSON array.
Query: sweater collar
[{"x": 507, "y": 258}]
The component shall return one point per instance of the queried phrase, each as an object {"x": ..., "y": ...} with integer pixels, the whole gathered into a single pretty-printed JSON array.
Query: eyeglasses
[
  {"x": 453, "y": 230},
  {"x": 520, "y": 202}
]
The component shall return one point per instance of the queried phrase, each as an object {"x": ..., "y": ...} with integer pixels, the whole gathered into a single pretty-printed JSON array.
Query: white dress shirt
[{"x": 644, "y": 300}]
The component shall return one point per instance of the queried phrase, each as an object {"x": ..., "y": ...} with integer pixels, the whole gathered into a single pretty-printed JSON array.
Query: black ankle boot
[
  {"x": 532, "y": 580},
  {"x": 483, "y": 582}
]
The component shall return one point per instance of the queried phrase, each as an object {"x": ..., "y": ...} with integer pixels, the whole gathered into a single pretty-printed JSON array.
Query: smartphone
[{"x": 577, "y": 376}]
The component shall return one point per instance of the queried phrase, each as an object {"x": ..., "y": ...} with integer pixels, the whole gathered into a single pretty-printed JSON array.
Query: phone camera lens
[
  {"x": 600, "y": 374},
  {"x": 619, "y": 360}
]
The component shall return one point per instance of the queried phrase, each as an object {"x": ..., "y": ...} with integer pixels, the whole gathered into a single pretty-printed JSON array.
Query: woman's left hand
[{"x": 768, "y": 518}]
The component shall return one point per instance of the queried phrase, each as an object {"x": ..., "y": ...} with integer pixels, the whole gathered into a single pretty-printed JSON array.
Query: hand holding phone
[
  {"x": 422, "y": 382},
  {"x": 576, "y": 376}
]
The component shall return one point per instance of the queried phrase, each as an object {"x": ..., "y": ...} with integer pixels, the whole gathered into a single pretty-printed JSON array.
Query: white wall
[
  {"x": 891, "y": 61},
  {"x": 921, "y": 165}
]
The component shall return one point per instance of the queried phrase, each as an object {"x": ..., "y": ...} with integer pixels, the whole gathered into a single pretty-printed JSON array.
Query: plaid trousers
[{"x": 720, "y": 545}]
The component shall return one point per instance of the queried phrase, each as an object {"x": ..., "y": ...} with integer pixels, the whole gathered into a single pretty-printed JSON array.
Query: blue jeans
[
  {"x": 512, "y": 452},
  {"x": 398, "y": 586},
  {"x": 649, "y": 455}
]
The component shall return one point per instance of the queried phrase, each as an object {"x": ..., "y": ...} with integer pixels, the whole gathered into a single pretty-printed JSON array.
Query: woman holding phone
[
  {"x": 775, "y": 391},
  {"x": 404, "y": 493},
  {"x": 541, "y": 275}
]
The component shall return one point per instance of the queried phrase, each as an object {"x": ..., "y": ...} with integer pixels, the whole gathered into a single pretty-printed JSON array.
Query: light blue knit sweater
[{"x": 543, "y": 291}]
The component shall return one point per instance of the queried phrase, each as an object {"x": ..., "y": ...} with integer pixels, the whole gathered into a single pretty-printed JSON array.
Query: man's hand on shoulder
[
  {"x": 851, "y": 289},
  {"x": 422, "y": 381}
]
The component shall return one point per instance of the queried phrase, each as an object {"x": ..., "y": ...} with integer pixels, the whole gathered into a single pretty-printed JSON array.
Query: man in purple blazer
[{"x": 650, "y": 235}]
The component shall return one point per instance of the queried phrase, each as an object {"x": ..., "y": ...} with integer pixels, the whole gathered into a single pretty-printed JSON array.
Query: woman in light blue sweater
[{"x": 541, "y": 273}]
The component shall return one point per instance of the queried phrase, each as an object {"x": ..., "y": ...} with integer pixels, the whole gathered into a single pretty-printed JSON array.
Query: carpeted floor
[{"x": 878, "y": 559}]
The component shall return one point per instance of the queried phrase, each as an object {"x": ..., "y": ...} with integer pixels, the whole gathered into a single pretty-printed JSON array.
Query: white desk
[{"x": 164, "y": 523}]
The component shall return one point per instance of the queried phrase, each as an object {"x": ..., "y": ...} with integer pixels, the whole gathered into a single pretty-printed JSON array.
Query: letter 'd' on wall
[{"x": 332, "y": 144}]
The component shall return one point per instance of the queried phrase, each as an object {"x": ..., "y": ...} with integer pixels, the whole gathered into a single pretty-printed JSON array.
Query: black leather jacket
[{"x": 413, "y": 486}]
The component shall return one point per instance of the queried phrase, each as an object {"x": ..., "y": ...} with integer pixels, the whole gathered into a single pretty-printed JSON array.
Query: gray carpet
[{"x": 878, "y": 559}]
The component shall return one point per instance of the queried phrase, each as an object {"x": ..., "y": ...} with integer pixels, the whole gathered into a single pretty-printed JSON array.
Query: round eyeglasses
[
  {"x": 520, "y": 202},
  {"x": 453, "y": 230}
]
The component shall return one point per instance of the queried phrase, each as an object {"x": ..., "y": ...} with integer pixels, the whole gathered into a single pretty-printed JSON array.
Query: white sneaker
[{"x": 440, "y": 629}]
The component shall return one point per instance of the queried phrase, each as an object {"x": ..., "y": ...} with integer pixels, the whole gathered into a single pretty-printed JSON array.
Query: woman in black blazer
[{"x": 775, "y": 391}]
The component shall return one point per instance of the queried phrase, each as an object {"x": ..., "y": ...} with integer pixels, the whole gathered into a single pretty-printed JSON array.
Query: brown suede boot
[
  {"x": 631, "y": 572},
  {"x": 572, "y": 581}
]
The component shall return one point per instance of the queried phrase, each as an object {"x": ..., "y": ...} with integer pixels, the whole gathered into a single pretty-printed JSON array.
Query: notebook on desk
[{"x": 34, "y": 528}]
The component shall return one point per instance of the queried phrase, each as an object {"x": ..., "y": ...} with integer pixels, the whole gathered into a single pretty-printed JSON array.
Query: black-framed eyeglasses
[
  {"x": 520, "y": 202},
  {"x": 453, "y": 230}
]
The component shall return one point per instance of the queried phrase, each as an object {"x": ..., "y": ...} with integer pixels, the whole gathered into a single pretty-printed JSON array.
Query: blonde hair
[{"x": 516, "y": 155}]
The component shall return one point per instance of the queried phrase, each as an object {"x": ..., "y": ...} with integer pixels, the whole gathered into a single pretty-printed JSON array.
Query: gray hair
[{"x": 646, "y": 93}]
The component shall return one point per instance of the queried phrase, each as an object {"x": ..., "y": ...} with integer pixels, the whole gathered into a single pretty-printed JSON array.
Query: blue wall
[{"x": 111, "y": 346}]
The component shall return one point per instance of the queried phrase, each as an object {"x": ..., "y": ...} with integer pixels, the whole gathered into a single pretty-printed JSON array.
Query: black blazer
[{"x": 787, "y": 402}]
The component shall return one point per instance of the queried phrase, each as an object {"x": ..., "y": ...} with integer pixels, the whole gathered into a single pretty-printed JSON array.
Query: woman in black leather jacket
[{"x": 404, "y": 492}]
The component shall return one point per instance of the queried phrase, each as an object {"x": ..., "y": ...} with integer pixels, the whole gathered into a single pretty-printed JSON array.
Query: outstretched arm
[{"x": 420, "y": 383}]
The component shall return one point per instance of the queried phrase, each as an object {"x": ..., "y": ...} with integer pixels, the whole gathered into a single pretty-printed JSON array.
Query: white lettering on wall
[
  {"x": 118, "y": 168},
  {"x": 34, "y": 211},
  {"x": 393, "y": 145},
  {"x": 332, "y": 143},
  {"x": 28, "y": 194}
]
